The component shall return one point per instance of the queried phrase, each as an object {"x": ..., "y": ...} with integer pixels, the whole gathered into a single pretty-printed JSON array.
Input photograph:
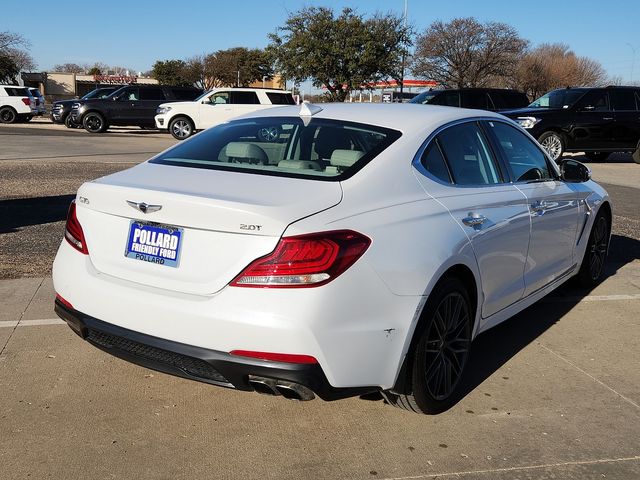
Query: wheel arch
[{"x": 469, "y": 277}]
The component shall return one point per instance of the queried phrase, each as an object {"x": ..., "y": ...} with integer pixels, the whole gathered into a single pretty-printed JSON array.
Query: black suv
[
  {"x": 130, "y": 105},
  {"x": 62, "y": 108},
  {"x": 493, "y": 99},
  {"x": 596, "y": 121}
]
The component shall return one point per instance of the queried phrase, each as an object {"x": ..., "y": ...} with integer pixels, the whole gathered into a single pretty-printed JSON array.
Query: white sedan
[{"x": 360, "y": 249}]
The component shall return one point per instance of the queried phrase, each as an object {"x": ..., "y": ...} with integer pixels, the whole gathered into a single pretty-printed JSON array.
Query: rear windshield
[{"x": 283, "y": 146}]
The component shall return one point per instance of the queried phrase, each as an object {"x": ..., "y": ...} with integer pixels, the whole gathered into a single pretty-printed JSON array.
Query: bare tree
[
  {"x": 466, "y": 53},
  {"x": 14, "y": 54},
  {"x": 551, "y": 66},
  {"x": 69, "y": 68},
  {"x": 202, "y": 71}
]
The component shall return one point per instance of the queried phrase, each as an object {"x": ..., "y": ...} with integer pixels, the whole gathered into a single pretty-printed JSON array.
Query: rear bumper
[{"x": 196, "y": 363}]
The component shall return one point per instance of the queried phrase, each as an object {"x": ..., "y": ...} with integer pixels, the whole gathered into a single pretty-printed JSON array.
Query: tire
[
  {"x": 553, "y": 143},
  {"x": 181, "y": 128},
  {"x": 598, "y": 156},
  {"x": 636, "y": 154},
  {"x": 27, "y": 119},
  {"x": 595, "y": 255},
  {"x": 8, "y": 115},
  {"x": 437, "y": 363},
  {"x": 69, "y": 123},
  {"x": 93, "y": 122}
]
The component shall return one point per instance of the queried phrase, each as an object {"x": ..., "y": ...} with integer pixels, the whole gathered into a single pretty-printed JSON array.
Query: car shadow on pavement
[
  {"x": 23, "y": 212},
  {"x": 495, "y": 347}
]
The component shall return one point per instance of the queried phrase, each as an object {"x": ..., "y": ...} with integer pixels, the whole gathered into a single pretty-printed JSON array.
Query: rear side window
[
  {"x": 624, "y": 99},
  {"x": 16, "y": 92},
  {"x": 283, "y": 146},
  {"x": 468, "y": 155},
  {"x": 505, "y": 99},
  {"x": 528, "y": 163},
  {"x": 244, "y": 98},
  {"x": 281, "y": 98},
  {"x": 434, "y": 163},
  {"x": 152, "y": 94}
]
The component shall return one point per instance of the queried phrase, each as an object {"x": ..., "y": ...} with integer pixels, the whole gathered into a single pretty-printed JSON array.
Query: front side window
[
  {"x": 563, "y": 98},
  {"x": 468, "y": 155},
  {"x": 527, "y": 161},
  {"x": 594, "y": 101},
  {"x": 283, "y": 146},
  {"x": 220, "y": 98},
  {"x": 447, "y": 99}
]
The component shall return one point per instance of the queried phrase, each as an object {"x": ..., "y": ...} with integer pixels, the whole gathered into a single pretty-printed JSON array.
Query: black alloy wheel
[
  {"x": 439, "y": 358},
  {"x": 8, "y": 115},
  {"x": 94, "y": 123},
  {"x": 595, "y": 256},
  {"x": 69, "y": 123}
]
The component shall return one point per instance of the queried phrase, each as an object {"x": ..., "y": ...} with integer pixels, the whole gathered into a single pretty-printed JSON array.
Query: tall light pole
[
  {"x": 633, "y": 60},
  {"x": 404, "y": 52}
]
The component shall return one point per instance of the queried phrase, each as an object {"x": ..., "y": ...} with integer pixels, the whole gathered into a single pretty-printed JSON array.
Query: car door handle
[
  {"x": 539, "y": 207},
  {"x": 607, "y": 118},
  {"x": 474, "y": 220}
]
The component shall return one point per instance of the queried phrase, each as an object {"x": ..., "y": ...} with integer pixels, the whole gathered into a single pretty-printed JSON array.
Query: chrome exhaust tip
[
  {"x": 294, "y": 391},
  {"x": 289, "y": 390},
  {"x": 264, "y": 386}
]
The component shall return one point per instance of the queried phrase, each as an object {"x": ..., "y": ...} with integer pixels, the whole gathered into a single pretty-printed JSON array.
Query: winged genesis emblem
[{"x": 143, "y": 207}]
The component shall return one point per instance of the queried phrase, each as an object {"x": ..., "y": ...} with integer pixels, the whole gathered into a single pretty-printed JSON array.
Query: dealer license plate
[{"x": 154, "y": 243}]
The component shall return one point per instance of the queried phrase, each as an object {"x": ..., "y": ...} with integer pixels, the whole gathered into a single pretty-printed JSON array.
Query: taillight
[
  {"x": 305, "y": 260},
  {"x": 73, "y": 231},
  {"x": 26, "y": 101},
  {"x": 276, "y": 357}
]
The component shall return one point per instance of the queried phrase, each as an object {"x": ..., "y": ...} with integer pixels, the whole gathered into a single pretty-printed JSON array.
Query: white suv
[
  {"x": 16, "y": 104},
  {"x": 183, "y": 119}
]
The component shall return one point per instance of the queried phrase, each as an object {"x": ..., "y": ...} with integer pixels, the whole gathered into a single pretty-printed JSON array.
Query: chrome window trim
[{"x": 417, "y": 164}]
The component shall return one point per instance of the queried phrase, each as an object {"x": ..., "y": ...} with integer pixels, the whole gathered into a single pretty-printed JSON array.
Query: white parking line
[
  {"x": 32, "y": 323},
  {"x": 592, "y": 298}
]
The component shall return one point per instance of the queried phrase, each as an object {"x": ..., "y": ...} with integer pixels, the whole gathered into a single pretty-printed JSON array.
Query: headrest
[
  {"x": 345, "y": 158},
  {"x": 299, "y": 164},
  {"x": 246, "y": 150}
]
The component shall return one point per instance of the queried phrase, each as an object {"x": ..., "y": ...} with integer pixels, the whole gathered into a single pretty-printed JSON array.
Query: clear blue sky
[{"x": 135, "y": 34}]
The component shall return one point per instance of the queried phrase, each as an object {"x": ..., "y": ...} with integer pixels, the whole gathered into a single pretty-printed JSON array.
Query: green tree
[
  {"x": 241, "y": 66},
  {"x": 341, "y": 52},
  {"x": 171, "y": 72},
  {"x": 466, "y": 53}
]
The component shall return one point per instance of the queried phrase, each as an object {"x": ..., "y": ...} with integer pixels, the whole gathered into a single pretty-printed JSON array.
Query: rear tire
[
  {"x": 8, "y": 115},
  {"x": 181, "y": 128},
  {"x": 437, "y": 363},
  {"x": 636, "y": 154},
  {"x": 93, "y": 122},
  {"x": 554, "y": 144},
  {"x": 595, "y": 255}
]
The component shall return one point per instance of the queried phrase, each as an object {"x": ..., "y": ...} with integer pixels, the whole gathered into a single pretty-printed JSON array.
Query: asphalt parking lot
[{"x": 554, "y": 393}]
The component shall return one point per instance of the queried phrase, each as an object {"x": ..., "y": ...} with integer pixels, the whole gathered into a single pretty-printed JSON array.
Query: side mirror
[{"x": 573, "y": 171}]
